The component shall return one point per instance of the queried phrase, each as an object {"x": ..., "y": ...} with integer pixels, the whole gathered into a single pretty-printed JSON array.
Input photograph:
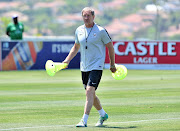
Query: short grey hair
[{"x": 89, "y": 9}]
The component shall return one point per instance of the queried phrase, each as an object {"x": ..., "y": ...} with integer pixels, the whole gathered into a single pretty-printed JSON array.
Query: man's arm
[
  {"x": 111, "y": 56},
  {"x": 7, "y": 30},
  {"x": 23, "y": 28},
  {"x": 74, "y": 50},
  {"x": 7, "y": 33}
]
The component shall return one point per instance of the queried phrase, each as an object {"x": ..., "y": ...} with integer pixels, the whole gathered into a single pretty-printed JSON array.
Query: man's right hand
[{"x": 66, "y": 61}]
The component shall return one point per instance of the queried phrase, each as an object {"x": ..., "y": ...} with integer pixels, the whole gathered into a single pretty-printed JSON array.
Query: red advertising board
[{"x": 146, "y": 52}]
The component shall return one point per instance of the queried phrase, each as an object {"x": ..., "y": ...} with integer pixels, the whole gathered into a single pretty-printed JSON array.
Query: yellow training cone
[
  {"x": 120, "y": 73},
  {"x": 53, "y": 67}
]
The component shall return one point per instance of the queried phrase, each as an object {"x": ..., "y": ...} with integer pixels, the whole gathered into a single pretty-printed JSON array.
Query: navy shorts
[{"x": 91, "y": 78}]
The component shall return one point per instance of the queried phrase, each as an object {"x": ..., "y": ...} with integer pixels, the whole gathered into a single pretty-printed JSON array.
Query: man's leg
[
  {"x": 102, "y": 113},
  {"x": 91, "y": 81},
  {"x": 97, "y": 103},
  {"x": 98, "y": 106},
  {"x": 90, "y": 93}
]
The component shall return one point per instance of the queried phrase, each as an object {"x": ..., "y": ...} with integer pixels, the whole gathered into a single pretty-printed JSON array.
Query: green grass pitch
[{"x": 144, "y": 100}]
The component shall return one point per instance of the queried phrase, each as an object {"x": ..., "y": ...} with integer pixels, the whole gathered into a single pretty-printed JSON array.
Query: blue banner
[{"x": 32, "y": 55}]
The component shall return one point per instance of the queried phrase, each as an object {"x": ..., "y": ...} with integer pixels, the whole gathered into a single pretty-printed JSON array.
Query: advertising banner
[
  {"x": 147, "y": 54},
  {"x": 0, "y": 57},
  {"x": 29, "y": 55}
]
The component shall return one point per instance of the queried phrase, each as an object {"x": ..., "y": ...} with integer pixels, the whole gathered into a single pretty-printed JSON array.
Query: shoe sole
[
  {"x": 81, "y": 126},
  {"x": 103, "y": 121}
]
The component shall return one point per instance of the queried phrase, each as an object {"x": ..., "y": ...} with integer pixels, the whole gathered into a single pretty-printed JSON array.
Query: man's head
[
  {"x": 15, "y": 19},
  {"x": 88, "y": 16}
]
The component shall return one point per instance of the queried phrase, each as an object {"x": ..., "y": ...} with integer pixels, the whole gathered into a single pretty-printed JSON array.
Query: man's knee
[{"x": 90, "y": 90}]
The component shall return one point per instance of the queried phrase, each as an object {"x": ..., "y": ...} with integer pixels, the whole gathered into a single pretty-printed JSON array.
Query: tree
[
  {"x": 157, "y": 20},
  {"x": 4, "y": 23}
]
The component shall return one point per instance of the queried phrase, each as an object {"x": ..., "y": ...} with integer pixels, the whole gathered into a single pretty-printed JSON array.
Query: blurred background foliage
[{"x": 45, "y": 19}]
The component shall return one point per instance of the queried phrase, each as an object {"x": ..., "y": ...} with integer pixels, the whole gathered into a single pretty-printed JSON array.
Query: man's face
[
  {"x": 88, "y": 18},
  {"x": 15, "y": 20}
]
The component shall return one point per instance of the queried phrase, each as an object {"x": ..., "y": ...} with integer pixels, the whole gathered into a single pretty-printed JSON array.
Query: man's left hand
[{"x": 113, "y": 69}]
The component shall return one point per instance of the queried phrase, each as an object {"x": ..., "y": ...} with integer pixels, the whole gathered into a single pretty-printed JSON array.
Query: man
[
  {"x": 15, "y": 30},
  {"x": 92, "y": 39}
]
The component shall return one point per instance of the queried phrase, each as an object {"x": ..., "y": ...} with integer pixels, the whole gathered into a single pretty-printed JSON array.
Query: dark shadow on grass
[{"x": 117, "y": 127}]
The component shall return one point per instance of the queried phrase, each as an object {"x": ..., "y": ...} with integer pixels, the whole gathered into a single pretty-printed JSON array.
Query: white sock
[
  {"x": 102, "y": 112},
  {"x": 85, "y": 118}
]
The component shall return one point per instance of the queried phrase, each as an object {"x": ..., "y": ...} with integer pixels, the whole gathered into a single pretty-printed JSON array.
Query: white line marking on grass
[
  {"x": 145, "y": 120},
  {"x": 21, "y": 128}
]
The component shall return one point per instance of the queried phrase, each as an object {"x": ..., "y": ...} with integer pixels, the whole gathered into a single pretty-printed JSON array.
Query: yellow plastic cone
[
  {"x": 53, "y": 67},
  {"x": 120, "y": 73}
]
